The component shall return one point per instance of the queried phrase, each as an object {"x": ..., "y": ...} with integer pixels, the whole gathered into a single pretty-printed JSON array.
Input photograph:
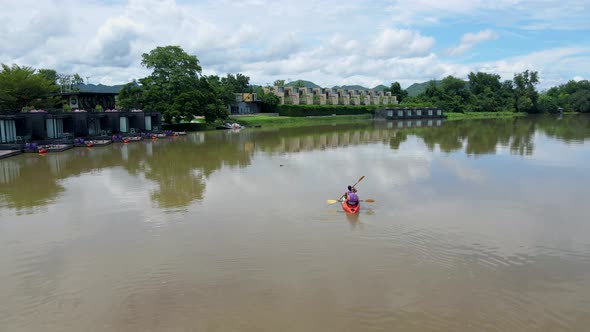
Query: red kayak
[{"x": 352, "y": 209}]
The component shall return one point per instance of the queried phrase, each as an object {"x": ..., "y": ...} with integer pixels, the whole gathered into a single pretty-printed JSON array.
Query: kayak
[{"x": 352, "y": 209}]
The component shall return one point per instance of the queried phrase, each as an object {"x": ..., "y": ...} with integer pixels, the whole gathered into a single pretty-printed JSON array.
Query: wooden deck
[{"x": 8, "y": 153}]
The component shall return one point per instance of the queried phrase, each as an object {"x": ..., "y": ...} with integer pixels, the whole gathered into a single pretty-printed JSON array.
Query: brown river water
[{"x": 476, "y": 226}]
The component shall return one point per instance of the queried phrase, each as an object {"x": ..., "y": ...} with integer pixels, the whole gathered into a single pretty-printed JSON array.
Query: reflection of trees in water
[
  {"x": 477, "y": 136},
  {"x": 319, "y": 138},
  {"x": 568, "y": 128},
  {"x": 179, "y": 167}
]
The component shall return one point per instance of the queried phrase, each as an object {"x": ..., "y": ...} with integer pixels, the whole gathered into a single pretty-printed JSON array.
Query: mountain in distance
[
  {"x": 360, "y": 87},
  {"x": 413, "y": 90},
  {"x": 100, "y": 88},
  {"x": 306, "y": 84},
  {"x": 417, "y": 88}
]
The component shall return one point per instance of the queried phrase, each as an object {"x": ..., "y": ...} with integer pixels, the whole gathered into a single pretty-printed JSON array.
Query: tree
[
  {"x": 176, "y": 88},
  {"x": 67, "y": 82},
  {"x": 299, "y": 84},
  {"x": 524, "y": 88},
  {"x": 131, "y": 96},
  {"x": 546, "y": 104},
  {"x": 237, "y": 84},
  {"x": 24, "y": 86},
  {"x": 279, "y": 83},
  {"x": 397, "y": 91},
  {"x": 49, "y": 74},
  {"x": 269, "y": 100},
  {"x": 479, "y": 82},
  {"x": 580, "y": 101}
]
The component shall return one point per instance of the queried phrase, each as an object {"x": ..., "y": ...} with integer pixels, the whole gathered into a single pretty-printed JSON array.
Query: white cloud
[
  {"x": 329, "y": 42},
  {"x": 527, "y": 14},
  {"x": 400, "y": 42},
  {"x": 470, "y": 39}
]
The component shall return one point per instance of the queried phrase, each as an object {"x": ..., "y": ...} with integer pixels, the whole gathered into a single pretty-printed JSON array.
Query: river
[{"x": 479, "y": 225}]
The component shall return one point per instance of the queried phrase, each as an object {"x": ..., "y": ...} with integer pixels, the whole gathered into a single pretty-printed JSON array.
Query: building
[
  {"x": 20, "y": 128},
  {"x": 245, "y": 103},
  {"x": 396, "y": 113},
  {"x": 330, "y": 96},
  {"x": 89, "y": 100}
]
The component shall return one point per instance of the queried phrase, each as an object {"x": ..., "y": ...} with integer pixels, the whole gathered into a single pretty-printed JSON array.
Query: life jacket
[{"x": 352, "y": 198}]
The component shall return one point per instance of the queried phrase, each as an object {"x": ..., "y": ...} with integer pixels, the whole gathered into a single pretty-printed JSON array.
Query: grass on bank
[
  {"x": 265, "y": 120},
  {"x": 482, "y": 115},
  {"x": 282, "y": 121},
  {"x": 286, "y": 121}
]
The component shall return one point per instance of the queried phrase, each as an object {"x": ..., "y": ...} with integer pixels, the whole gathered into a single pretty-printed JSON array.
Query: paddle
[
  {"x": 354, "y": 185},
  {"x": 332, "y": 201}
]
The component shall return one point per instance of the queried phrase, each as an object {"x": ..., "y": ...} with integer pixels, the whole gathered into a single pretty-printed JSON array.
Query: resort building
[
  {"x": 330, "y": 96},
  {"x": 21, "y": 128},
  {"x": 245, "y": 103}
]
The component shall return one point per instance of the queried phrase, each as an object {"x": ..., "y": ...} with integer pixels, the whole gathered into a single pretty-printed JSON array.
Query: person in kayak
[{"x": 351, "y": 196}]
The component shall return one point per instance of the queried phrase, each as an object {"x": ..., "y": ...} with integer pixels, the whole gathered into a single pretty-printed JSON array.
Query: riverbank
[
  {"x": 482, "y": 115},
  {"x": 286, "y": 121}
]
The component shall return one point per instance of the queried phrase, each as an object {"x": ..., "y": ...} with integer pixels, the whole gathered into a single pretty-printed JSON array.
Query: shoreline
[{"x": 284, "y": 121}]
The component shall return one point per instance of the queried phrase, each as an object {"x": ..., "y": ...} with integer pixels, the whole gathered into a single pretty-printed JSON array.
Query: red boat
[{"x": 351, "y": 209}]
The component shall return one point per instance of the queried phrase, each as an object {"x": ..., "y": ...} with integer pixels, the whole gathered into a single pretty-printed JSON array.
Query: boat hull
[{"x": 351, "y": 209}]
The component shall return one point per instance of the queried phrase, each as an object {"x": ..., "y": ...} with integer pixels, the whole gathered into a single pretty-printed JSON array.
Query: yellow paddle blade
[
  {"x": 370, "y": 200},
  {"x": 331, "y": 201}
]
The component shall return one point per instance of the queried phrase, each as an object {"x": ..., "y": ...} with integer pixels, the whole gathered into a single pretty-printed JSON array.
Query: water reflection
[
  {"x": 180, "y": 167},
  {"x": 450, "y": 242}
]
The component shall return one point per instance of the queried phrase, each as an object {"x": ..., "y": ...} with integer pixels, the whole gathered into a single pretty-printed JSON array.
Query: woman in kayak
[{"x": 351, "y": 196}]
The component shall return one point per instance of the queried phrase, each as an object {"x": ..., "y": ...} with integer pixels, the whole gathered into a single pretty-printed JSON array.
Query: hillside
[
  {"x": 360, "y": 87},
  {"x": 417, "y": 88},
  {"x": 100, "y": 88},
  {"x": 307, "y": 84}
]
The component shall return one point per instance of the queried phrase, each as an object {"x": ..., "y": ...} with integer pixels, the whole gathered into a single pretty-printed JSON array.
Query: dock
[
  {"x": 402, "y": 113},
  {"x": 8, "y": 153}
]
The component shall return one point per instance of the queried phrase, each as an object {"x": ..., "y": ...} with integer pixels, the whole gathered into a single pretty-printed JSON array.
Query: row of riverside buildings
[
  {"x": 16, "y": 129},
  {"x": 331, "y": 96},
  {"x": 248, "y": 102}
]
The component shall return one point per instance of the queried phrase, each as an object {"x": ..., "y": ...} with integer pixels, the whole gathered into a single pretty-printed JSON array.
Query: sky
[{"x": 328, "y": 42}]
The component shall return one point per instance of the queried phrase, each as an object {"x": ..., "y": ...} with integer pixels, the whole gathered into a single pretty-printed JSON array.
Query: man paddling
[{"x": 351, "y": 196}]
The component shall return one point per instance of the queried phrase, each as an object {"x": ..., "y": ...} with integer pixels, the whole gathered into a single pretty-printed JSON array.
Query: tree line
[
  {"x": 485, "y": 92},
  {"x": 177, "y": 88}
]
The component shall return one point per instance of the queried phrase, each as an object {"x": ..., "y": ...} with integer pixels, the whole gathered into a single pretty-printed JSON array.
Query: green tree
[
  {"x": 131, "y": 96},
  {"x": 396, "y": 90},
  {"x": 479, "y": 82},
  {"x": 24, "y": 86},
  {"x": 580, "y": 101},
  {"x": 299, "y": 84},
  {"x": 525, "y": 94},
  {"x": 546, "y": 104},
  {"x": 269, "y": 100},
  {"x": 49, "y": 74},
  {"x": 67, "y": 82},
  {"x": 176, "y": 88},
  {"x": 279, "y": 83},
  {"x": 239, "y": 83}
]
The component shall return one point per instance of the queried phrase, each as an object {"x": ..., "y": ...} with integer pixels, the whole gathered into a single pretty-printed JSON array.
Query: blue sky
[{"x": 329, "y": 42}]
